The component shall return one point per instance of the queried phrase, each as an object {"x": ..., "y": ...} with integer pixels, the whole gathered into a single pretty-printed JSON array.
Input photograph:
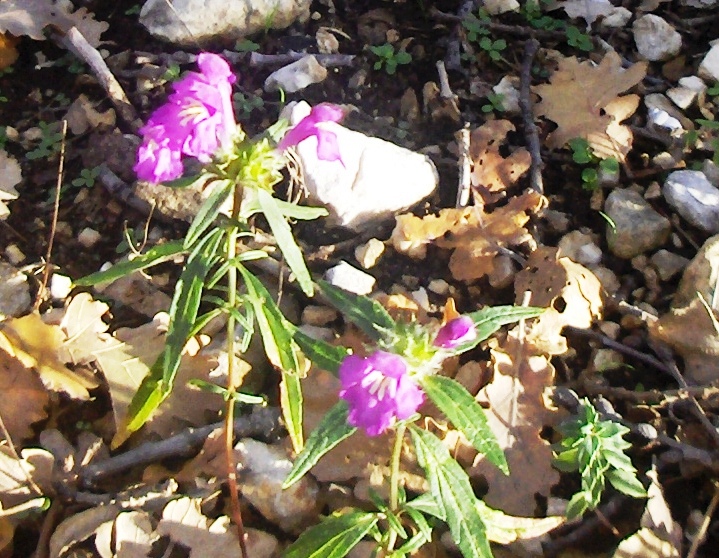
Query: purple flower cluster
[
  {"x": 380, "y": 389},
  {"x": 197, "y": 120}
]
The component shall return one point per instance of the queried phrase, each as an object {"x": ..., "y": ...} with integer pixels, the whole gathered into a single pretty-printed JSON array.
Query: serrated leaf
[
  {"x": 334, "y": 537},
  {"x": 286, "y": 241},
  {"x": 330, "y": 432},
  {"x": 367, "y": 314},
  {"x": 154, "y": 256},
  {"x": 489, "y": 320},
  {"x": 451, "y": 489},
  {"x": 208, "y": 212},
  {"x": 322, "y": 354},
  {"x": 466, "y": 414}
]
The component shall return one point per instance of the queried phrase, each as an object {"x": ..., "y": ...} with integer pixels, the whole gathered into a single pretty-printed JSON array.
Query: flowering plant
[{"x": 382, "y": 393}]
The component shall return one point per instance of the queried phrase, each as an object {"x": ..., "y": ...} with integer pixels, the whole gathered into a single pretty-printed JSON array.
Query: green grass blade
[{"x": 467, "y": 415}]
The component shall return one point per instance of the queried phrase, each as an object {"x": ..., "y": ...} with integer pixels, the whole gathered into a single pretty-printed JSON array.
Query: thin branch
[{"x": 530, "y": 128}]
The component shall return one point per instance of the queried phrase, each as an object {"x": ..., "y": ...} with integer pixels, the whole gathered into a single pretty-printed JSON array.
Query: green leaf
[
  {"x": 186, "y": 181},
  {"x": 334, "y": 537},
  {"x": 157, "y": 385},
  {"x": 330, "y": 432},
  {"x": 466, "y": 414},
  {"x": 208, "y": 211},
  {"x": 627, "y": 483},
  {"x": 427, "y": 505},
  {"x": 322, "y": 354},
  {"x": 291, "y": 405},
  {"x": 251, "y": 206},
  {"x": 365, "y": 313},
  {"x": 451, "y": 489},
  {"x": 154, "y": 256},
  {"x": 285, "y": 240},
  {"x": 490, "y": 319}
]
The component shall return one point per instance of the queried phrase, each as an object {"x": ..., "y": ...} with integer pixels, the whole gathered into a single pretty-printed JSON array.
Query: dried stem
[{"x": 530, "y": 128}]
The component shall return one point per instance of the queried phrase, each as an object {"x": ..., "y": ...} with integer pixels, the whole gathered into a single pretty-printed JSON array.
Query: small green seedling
[
  {"x": 577, "y": 39},
  {"x": 495, "y": 103},
  {"x": 389, "y": 57},
  {"x": 595, "y": 448},
  {"x": 172, "y": 73},
  {"x": 49, "y": 142},
  {"x": 493, "y": 48},
  {"x": 133, "y": 10},
  {"x": 713, "y": 91},
  {"x": 583, "y": 155},
  {"x": 87, "y": 178},
  {"x": 475, "y": 27},
  {"x": 246, "y": 45},
  {"x": 245, "y": 104}
]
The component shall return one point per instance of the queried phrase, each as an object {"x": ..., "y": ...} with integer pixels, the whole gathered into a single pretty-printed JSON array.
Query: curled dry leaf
[
  {"x": 583, "y": 99},
  {"x": 476, "y": 237},
  {"x": 80, "y": 527},
  {"x": 82, "y": 115},
  {"x": 491, "y": 172},
  {"x": 38, "y": 346},
  {"x": 31, "y": 17},
  {"x": 15, "y": 487},
  {"x": 10, "y": 176}
]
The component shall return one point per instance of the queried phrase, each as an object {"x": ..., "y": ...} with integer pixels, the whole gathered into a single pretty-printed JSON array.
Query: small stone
[
  {"x": 580, "y": 247},
  {"x": 653, "y": 191},
  {"x": 664, "y": 160},
  {"x": 438, "y": 286},
  {"x": 260, "y": 544},
  {"x": 610, "y": 329},
  {"x": 503, "y": 273},
  {"x": 617, "y": 18},
  {"x": 496, "y": 7},
  {"x": 349, "y": 278},
  {"x": 694, "y": 198},
  {"x": 557, "y": 221},
  {"x": 316, "y": 332},
  {"x": 189, "y": 22},
  {"x": 605, "y": 359},
  {"x": 296, "y": 76},
  {"x": 683, "y": 97},
  {"x": 668, "y": 264},
  {"x": 318, "y": 315},
  {"x": 701, "y": 4},
  {"x": 711, "y": 171},
  {"x": 695, "y": 83},
  {"x": 421, "y": 298},
  {"x": 60, "y": 286},
  {"x": 263, "y": 469},
  {"x": 88, "y": 237},
  {"x": 14, "y": 292},
  {"x": 655, "y": 38},
  {"x": 369, "y": 253},
  {"x": 709, "y": 67},
  {"x": 635, "y": 226},
  {"x": 657, "y": 105},
  {"x": 14, "y": 255}
]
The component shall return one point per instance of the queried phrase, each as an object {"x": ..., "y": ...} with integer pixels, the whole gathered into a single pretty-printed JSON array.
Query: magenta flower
[
  {"x": 455, "y": 332},
  {"x": 379, "y": 391},
  {"x": 310, "y": 126},
  {"x": 197, "y": 120}
]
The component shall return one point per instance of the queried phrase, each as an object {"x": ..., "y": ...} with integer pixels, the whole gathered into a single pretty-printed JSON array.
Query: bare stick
[
  {"x": 327, "y": 60},
  {"x": 53, "y": 223},
  {"x": 262, "y": 422},
  {"x": 465, "y": 170},
  {"x": 530, "y": 128},
  {"x": 702, "y": 533},
  {"x": 75, "y": 42}
]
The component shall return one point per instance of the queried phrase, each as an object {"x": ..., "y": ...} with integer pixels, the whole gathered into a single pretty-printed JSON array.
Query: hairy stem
[{"x": 232, "y": 373}]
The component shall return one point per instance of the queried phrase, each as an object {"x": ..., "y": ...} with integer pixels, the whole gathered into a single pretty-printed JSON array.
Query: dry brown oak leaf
[
  {"x": 476, "y": 237},
  {"x": 490, "y": 170},
  {"x": 583, "y": 100}
]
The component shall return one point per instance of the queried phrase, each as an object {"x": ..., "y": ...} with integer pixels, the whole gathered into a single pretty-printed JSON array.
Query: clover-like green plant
[
  {"x": 389, "y": 58},
  {"x": 87, "y": 178},
  {"x": 494, "y": 103},
  {"x": 591, "y": 175},
  {"x": 50, "y": 140},
  {"x": 595, "y": 448}
]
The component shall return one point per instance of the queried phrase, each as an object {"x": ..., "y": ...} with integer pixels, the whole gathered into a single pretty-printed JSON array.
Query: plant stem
[
  {"x": 232, "y": 379},
  {"x": 394, "y": 481}
]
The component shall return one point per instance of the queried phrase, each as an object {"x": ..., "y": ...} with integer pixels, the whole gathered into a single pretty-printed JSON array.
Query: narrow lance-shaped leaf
[
  {"x": 453, "y": 493},
  {"x": 334, "y": 537},
  {"x": 325, "y": 356},
  {"x": 291, "y": 403},
  {"x": 467, "y": 415},
  {"x": 365, "y": 313},
  {"x": 208, "y": 211},
  {"x": 488, "y": 320},
  {"x": 276, "y": 333},
  {"x": 154, "y": 256},
  {"x": 330, "y": 432},
  {"x": 286, "y": 241},
  {"x": 157, "y": 385}
]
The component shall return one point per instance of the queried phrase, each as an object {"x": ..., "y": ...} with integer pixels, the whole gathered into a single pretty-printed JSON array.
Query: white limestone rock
[
  {"x": 189, "y": 22},
  {"x": 694, "y": 198},
  {"x": 375, "y": 180},
  {"x": 655, "y": 38},
  {"x": 351, "y": 279},
  {"x": 296, "y": 76},
  {"x": 709, "y": 67},
  {"x": 636, "y": 228},
  {"x": 14, "y": 292}
]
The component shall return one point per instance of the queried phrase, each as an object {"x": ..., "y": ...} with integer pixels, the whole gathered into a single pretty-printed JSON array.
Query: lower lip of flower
[{"x": 380, "y": 385}]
